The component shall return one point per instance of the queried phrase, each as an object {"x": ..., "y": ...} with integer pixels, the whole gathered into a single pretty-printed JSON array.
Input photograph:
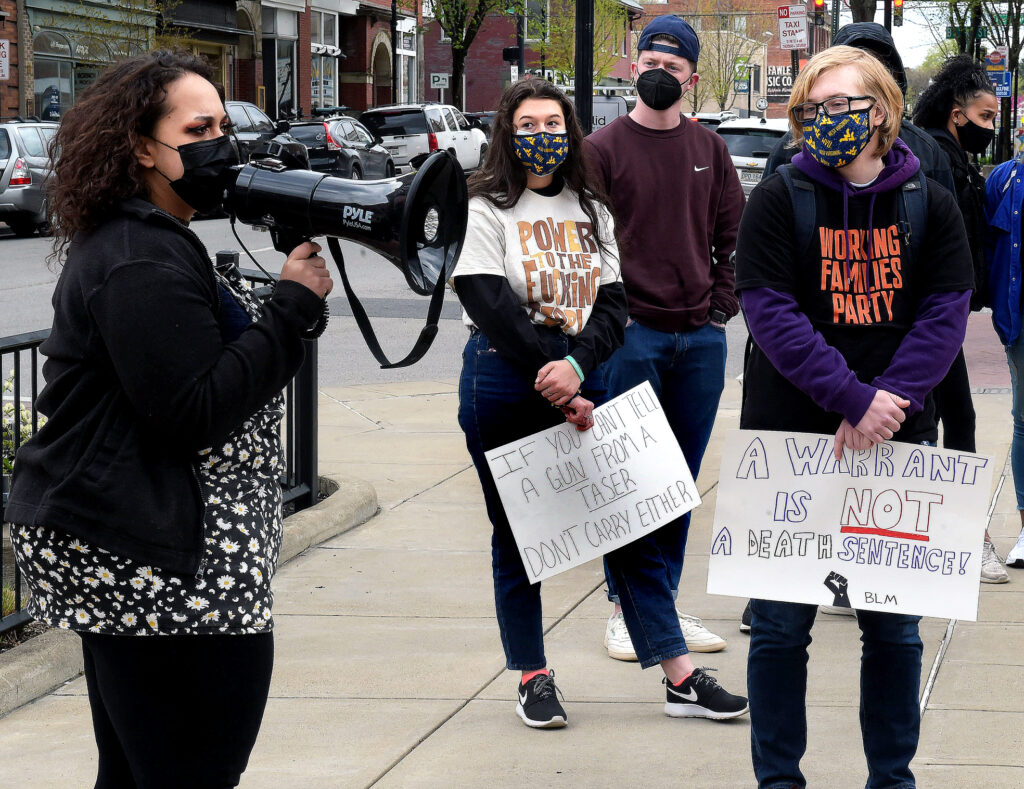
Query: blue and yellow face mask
[
  {"x": 836, "y": 140},
  {"x": 541, "y": 152}
]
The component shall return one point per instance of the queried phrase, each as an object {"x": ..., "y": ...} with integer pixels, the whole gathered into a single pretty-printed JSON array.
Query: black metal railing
[{"x": 20, "y": 364}]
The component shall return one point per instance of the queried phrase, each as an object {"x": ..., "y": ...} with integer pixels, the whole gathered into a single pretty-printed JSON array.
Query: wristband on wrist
[{"x": 575, "y": 367}]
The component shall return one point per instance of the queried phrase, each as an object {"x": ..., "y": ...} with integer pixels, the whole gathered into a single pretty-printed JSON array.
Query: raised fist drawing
[{"x": 837, "y": 584}]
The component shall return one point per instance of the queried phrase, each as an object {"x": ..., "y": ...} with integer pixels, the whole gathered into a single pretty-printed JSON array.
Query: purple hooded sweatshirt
[{"x": 804, "y": 357}]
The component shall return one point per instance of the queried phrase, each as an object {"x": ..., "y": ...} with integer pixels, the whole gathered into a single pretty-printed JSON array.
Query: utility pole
[
  {"x": 585, "y": 64},
  {"x": 887, "y": 15},
  {"x": 395, "y": 78}
]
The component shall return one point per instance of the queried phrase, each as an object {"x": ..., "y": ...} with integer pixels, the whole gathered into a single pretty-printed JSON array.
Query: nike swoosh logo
[
  {"x": 690, "y": 695},
  {"x": 522, "y": 697},
  {"x": 697, "y": 169}
]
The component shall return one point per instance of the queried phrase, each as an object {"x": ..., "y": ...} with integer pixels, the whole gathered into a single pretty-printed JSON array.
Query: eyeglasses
[{"x": 837, "y": 105}]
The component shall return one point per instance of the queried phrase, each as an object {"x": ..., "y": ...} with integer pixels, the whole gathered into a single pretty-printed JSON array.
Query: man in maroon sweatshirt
[{"x": 677, "y": 201}]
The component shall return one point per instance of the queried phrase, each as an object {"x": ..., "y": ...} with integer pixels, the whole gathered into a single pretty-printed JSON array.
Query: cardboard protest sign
[
  {"x": 897, "y": 527},
  {"x": 572, "y": 496}
]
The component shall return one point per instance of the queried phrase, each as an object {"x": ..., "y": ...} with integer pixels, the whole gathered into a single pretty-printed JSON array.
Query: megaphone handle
[
  {"x": 427, "y": 333},
  {"x": 285, "y": 241}
]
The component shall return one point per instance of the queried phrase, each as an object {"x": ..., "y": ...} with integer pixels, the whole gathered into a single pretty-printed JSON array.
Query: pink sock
[
  {"x": 680, "y": 682},
  {"x": 531, "y": 674}
]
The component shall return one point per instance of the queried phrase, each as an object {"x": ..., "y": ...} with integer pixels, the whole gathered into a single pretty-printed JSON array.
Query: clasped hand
[
  {"x": 558, "y": 382},
  {"x": 879, "y": 423}
]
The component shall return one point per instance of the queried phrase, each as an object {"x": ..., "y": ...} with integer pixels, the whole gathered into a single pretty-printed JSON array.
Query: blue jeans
[
  {"x": 890, "y": 676},
  {"x": 498, "y": 404},
  {"x": 1015, "y": 357},
  {"x": 687, "y": 373}
]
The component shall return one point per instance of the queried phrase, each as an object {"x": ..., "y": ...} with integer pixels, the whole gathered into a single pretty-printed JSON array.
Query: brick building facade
[{"x": 487, "y": 74}]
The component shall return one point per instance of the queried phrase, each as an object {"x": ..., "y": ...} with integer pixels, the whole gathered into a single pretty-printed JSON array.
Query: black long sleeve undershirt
[{"x": 492, "y": 305}]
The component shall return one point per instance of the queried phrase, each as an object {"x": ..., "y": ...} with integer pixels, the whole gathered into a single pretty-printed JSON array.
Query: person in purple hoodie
[{"x": 850, "y": 336}]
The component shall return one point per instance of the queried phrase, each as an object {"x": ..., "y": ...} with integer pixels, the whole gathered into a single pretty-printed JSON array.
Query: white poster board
[
  {"x": 792, "y": 26},
  {"x": 898, "y": 527},
  {"x": 571, "y": 496}
]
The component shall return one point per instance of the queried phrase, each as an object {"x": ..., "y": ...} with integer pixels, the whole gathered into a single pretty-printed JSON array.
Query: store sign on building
[
  {"x": 5, "y": 59},
  {"x": 780, "y": 83}
]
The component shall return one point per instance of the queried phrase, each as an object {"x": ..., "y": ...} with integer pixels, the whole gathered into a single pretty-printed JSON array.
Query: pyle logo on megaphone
[{"x": 357, "y": 217}]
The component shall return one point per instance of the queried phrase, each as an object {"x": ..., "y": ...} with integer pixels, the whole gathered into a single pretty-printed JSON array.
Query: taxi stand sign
[{"x": 793, "y": 26}]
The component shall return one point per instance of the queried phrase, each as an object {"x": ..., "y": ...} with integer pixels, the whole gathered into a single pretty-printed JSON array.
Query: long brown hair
[
  {"x": 501, "y": 179},
  {"x": 94, "y": 148}
]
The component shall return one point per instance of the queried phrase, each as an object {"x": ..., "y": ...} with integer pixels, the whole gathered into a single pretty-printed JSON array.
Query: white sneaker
[
  {"x": 616, "y": 639},
  {"x": 1015, "y": 558},
  {"x": 837, "y": 610},
  {"x": 992, "y": 570},
  {"x": 699, "y": 638}
]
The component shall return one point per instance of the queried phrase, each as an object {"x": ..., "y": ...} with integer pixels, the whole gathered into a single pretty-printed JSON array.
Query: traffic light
[
  {"x": 897, "y": 12},
  {"x": 819, "y": 12}
]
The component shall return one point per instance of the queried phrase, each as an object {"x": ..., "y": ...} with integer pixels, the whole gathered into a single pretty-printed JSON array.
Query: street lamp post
[{"x": 585, "y": 64}]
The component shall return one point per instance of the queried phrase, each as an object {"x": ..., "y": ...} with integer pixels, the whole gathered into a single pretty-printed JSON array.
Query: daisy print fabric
[{"x": 79, "y": 586}]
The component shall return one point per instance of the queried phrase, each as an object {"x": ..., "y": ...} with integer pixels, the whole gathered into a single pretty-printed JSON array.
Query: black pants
[
  {"x": 954, "y": 407},
  {"x": 176, "y": 711}
]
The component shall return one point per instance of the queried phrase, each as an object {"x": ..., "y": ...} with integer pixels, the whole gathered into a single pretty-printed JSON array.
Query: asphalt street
[{"x": 397, "y": 313}]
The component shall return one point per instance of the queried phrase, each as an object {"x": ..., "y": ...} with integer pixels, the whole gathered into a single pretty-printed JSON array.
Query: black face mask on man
[
  {"x": 207, "y": 172},
  {"x": 974, "y": 138},
  {"x": 658, "y": 89}
]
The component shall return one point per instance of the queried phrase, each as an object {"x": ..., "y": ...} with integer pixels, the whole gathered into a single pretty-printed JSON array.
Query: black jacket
[
  {"x": 969, "y": 191},
  {"x": 138, "y": 380},
  {"x": 876, "y": 39}
]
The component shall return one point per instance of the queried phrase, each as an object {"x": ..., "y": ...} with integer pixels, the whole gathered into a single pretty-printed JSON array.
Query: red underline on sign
[{"x": 883, "y": 533}]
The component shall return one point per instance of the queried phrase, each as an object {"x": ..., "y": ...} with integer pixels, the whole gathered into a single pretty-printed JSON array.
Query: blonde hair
[{"x": 874, "y": 81}]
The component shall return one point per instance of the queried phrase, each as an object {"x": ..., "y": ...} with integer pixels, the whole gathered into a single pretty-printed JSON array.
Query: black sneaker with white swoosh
[
  {"x": 700, "y": 696},
  {"x": 538, "y": 703}
]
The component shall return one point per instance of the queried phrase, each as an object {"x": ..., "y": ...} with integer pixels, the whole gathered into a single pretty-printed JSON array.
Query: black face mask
[
  {"x": 207, "y": 172},
  {"x": 974, "y": 138},
  {"x": 658, "y": 89}
]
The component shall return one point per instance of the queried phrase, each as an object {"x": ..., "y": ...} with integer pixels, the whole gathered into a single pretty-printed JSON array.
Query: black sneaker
[
  {"x": 700, "y": 696},
  {"x": 538, "y": 703},
  {"x": 745, "y": 619}
]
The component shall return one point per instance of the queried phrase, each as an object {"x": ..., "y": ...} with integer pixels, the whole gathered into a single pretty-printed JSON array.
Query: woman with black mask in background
[
  {"x": 958, "y": 109},
  {"x": 146, "y": 512}
]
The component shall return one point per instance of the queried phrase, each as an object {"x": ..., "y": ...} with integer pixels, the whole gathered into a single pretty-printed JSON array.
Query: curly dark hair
[
  {"x": 94, "y": 148},
  {"x": 501, "y": 179},
  {"x": 959, "y": 82}
]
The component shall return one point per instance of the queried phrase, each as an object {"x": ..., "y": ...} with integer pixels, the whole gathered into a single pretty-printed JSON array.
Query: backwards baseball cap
[{"x": 679, "y": 29}]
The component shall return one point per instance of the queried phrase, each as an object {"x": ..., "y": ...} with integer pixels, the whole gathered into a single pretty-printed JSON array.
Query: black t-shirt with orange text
[{"x": 857, "y": 283}]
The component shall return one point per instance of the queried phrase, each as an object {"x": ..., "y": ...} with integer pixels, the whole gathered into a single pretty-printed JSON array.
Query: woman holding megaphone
[
  {"x": 538, "y": 279},
  {"x": 147, "y": 510}
]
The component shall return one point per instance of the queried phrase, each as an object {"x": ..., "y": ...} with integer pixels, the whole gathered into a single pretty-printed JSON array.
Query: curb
[{"x": 47, "y": 661}]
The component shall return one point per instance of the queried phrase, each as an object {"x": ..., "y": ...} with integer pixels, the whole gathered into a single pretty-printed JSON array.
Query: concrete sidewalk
[{"x": 389, "y": 670}]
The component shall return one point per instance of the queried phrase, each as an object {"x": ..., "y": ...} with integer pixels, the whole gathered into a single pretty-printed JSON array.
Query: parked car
[
  {"x": 408, "y": 130},
  {"x": 711, "y": 119},
  {"x": 484, "y": 121},
  {"x": 750, "y": 140},
  {"x": 252, "y": 127},
  {"x": 344, "y": 148},
  {"x": 25, "y": 168}
]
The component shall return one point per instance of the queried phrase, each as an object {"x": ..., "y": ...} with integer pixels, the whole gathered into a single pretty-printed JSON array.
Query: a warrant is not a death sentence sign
[
  {"x": 898, "y": 527},
  {"x": 571, "y": 496}
]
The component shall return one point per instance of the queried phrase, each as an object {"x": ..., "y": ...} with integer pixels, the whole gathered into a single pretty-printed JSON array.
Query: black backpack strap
[
  {"x": 801, "y": 193},
  {"x": 912, "y": 213}
]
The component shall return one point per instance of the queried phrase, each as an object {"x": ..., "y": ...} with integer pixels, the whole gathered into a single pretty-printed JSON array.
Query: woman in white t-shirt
[{"x": 539, "y": 283}]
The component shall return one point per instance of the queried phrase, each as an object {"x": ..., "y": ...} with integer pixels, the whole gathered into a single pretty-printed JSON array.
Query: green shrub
[{"x": 11, "y": 422}]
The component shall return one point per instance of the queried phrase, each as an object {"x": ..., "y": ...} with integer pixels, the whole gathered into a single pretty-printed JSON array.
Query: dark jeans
[
  {"x": 687, "y": 373},
  {"x": 498, "y": 404},
  {"x": 176, "y": 711},
  {"x": 955, "y": 408},
  {"x": 890, "y": 676}
]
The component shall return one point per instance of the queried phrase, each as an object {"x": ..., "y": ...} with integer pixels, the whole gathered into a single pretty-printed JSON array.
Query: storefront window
[
  {"x": 285, "y": 77},
  {"x": 324, "y": 66}
]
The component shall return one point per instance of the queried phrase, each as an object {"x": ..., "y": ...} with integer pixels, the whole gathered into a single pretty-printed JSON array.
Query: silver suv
[
  {"x": 408, "y": 130},
  {"x": 24, "y": 170}
]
